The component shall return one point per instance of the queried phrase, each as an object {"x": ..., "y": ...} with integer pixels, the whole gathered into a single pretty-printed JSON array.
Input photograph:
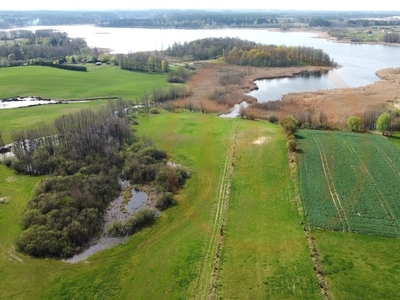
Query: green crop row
[{"x": 349, "y": 182}]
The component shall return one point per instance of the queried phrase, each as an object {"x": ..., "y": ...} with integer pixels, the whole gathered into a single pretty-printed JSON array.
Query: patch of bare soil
[{"x": 261, "y": 140}]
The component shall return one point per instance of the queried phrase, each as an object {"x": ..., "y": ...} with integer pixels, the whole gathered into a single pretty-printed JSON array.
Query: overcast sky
[{"x": 388, "y": 5}]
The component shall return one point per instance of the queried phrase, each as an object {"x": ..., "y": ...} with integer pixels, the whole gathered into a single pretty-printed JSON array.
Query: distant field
[
  {"x": 60, "y": 84},
  {"x": 350, "y": 182}
]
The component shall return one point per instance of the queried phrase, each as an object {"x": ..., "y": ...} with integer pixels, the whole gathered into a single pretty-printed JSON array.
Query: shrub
[
  {"x": 272, "y": 119},
  {"x": 133, "y": 223},
  {"x": 291, "y": 144},
  {"x": 165, "y": 200},
  {"x": 289, "y": 124},
  {"x": 154, "y": 111},
  {"x": 353, "y": 123}
]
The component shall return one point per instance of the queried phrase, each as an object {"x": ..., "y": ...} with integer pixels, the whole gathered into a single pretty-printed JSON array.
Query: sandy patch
[{"x": 261, "y": 140}]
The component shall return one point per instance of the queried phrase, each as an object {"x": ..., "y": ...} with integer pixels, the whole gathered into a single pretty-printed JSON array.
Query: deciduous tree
[{"x": 383, "y": 123}]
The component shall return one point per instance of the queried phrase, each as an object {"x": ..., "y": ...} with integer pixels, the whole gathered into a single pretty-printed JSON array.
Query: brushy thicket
[{"x": 85, "y": 154}]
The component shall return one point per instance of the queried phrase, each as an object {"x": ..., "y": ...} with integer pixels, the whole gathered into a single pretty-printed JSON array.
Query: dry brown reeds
[{"x": 217, "y": 87}]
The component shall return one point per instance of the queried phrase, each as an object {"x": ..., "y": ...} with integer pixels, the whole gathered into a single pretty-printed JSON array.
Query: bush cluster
[
  {"x": 133, "y": 223},
  {"x": 85, "y": 154}
]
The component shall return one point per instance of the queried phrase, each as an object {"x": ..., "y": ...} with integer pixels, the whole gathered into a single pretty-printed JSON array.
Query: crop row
[{"x": 350, "y": 182}]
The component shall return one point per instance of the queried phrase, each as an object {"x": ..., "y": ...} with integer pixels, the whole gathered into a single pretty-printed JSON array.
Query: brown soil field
[{"x": 217, "y": 87}]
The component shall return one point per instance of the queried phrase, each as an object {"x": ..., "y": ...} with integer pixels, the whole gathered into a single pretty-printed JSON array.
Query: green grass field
[
  {"x": 60, "y": 84},
  {"x": 349, "y": 182},
  {"x": 264, "y": 251},
  {"x": 107, "y": 81},
  {"x": 243, "y": 186}
]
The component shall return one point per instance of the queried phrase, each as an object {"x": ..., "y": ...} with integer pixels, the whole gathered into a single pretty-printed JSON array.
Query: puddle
[
  {"x": 24, "y": 102},
  {"x": 117, "y": 211},
  {"x": 137, "y": 201},
  {"x": 103, "y": 244},
  {"x": 235, "y": 111}
]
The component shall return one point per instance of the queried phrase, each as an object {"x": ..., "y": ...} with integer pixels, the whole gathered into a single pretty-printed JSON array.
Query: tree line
[
  {"x": 242, "y": 52},
  {"x": 195, "y": 19},
  {"x": 207, "y": 48},
  {"x": 143, "y": 62},
  {"x": 20, "y": 46}
]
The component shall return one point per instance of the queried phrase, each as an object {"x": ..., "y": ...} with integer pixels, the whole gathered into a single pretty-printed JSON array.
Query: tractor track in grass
[
  {"x": 390, "y": 163},
  {"x": 206, "y": 286},
  {"x": 341, "y": 213},
  {"x": 379, "y": 196}
]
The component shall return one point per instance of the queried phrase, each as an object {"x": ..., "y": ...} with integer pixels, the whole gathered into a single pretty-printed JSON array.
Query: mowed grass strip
[
  {"x": 60, "y": 84},
  {"x": 265, "y": 254}
]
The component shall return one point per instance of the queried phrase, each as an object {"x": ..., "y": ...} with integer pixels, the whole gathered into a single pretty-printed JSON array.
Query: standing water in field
[{"x": 117, "y": 211}]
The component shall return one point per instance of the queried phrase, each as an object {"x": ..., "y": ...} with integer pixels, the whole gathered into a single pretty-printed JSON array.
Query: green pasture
[
  {"x": 267, "y": 259},
  {"x": 46, "y": 82},
  {"x": 359, "y": 266},
  {"x": 356, "y": 266},
  {"x": 265, "y": 254}
]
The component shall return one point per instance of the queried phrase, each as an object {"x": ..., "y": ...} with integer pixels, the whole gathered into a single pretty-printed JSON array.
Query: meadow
[
  {"x": 59, "y": 84},
  {"x": 66, "y": 85},
  {"x": 175, "y": 257},
  {"x": 235, "y": 232}
]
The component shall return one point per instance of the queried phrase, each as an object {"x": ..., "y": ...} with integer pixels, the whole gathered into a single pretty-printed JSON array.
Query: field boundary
[{"x": 314, "y": 254}]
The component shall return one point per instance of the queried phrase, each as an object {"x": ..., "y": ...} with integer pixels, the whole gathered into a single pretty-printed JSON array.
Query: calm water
[{"x": 359, "y": 61}]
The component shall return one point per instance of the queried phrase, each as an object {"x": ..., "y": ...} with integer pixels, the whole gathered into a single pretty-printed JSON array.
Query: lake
[{"x": 359, "y": 61}]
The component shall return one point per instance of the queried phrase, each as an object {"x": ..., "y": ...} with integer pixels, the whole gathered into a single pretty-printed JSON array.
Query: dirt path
[{"x": 208, "y": 272}]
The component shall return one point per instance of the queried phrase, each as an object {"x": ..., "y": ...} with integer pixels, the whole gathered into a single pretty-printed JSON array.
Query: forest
[
  {"x": 246, "y": 53},
  {"x": 197, "y": 18},
  {"x": 18, "y": 47}
]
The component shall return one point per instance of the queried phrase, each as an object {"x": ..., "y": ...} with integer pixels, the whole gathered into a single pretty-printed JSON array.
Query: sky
[{"x": 203, "y": 4}]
